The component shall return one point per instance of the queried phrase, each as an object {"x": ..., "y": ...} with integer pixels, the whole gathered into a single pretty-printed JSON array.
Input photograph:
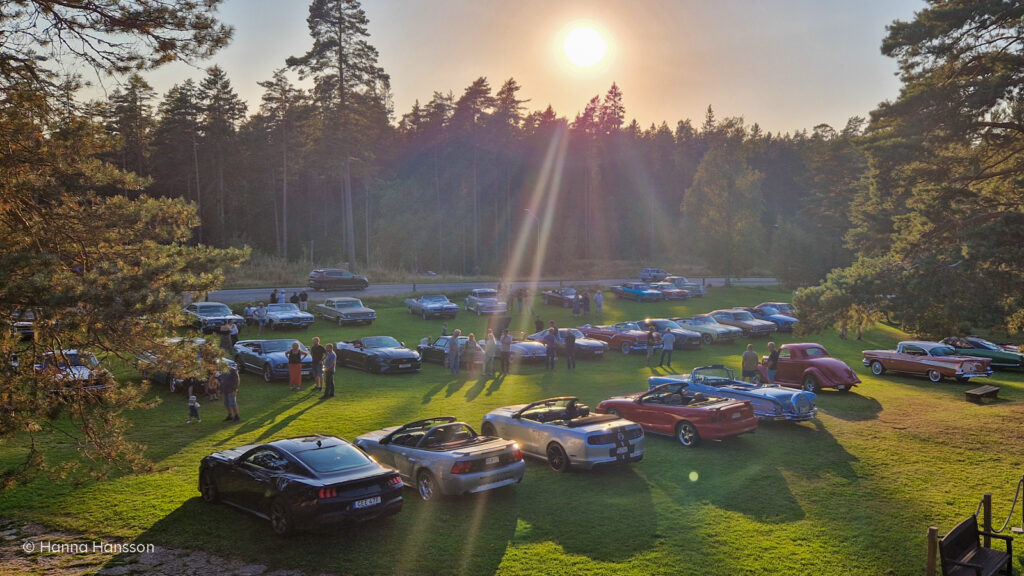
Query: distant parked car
[
  {"x": 346, "y": 311},
  {"x": 438, "y": 351},
  {"x": 974, "y": 346},
  {"x": 809, "y": 366},
  {"x": 559, "y": 297},
  {"x": 745, "y": 321},
  {"x": 783, "y": 322},
  {"x": 485, "y": 301},
  {"x": 336, "y": 279},
  {"x": 432, "y": 306},
  {"x": 585, "y": 347},
  {"x": 637, "y": 291},
  {"x": 562, "y": 431},
  {"x": 301, "y": 483},
  {"x": 669, "y": 291},
  {"x": 783, "y": 308},
  {"x": 76, "y": 370},
  {"x": 441, "y": 456},
  {"x": 23, "y": 323},
  {"x": 687, "y": 417},
  {"x": 769, "y": 402},
  {"x": 269, "y": 358},
  {"x": 288, "y": 315},
  {"x": 165, "y": 372},
  {"x": 685, "y": 339},
  {"x": 377, "y": 354},
  {"x": 652, "y": 275},
  {"x": 623, "y": 336},
  {"x": 709, "y": 328},
  {"x": 932, "y": 359},
  {"x": 210, "y": 316},
  {"x": 696, "y": 289}
]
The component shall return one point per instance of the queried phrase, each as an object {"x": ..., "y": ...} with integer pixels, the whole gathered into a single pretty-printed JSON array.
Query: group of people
[
  {"x": 300, "y": 299},
  {"x": 219, "y": 386},
  {"x": 497, "y": 350},
  {"x": 325, "y": 362},
  {"x": 750, "y": 360},
  {"x": 580, "y": 303}
]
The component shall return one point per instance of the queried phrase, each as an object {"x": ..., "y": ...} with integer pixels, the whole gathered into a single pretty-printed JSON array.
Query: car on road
[
  {"x": 269, "y": 358},
  {"x": 685, "y": 339},
  {"x": 563, "y": 431},
  {"x": 709, "y": 329},
  {"x": 301, "y": 483},
  {"x": 346, "y": 311},
  {"x": 982, "y": 348},
  {"x": 210, "y": 316},
  {"x": 769, "y": 402},
  {"x": 432, "y": 306},
  {"x": 652, "y": 275},
  {"x": 563, "y": 297},
  {"x": 623, "y": 336},
  {"x": 932, "y": 359},
  {"x": 585, "y": 347},
  {"x": 745, "y": 321},
  {"x": 669, "y": 291},
  {"x": 442, "y": 456},
  {"x": 288, "y": 315},
  {"x": 336, "y": 279},
  {"x": 696, "y": 289},
  {"x": 688, "y": 417},
  {"x": 637, "y": 291},
  {"x": 377, "y": 354},
  {"x": 810, "y": 367},
  {"x": 485, "y": 301}
]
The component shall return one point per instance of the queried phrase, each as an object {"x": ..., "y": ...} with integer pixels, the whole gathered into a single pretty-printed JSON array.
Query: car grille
[
  {"x": 803, "y": 405},
  {"x": 359, "y": 316},
  {"x": 404, "y": 363}
]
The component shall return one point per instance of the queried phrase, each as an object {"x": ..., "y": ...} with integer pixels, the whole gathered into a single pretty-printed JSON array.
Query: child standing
[{"x": 193, "y": 410}]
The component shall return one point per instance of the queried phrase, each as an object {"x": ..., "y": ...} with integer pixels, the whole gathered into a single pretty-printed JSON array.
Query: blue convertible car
[
  {"x": 769, "y": 402},
  {"x": 269, "y": 358}
]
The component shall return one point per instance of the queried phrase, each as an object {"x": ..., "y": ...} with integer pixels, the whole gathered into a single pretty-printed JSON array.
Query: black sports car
[
  {"x": 377, "y": 354},
  {"x": 301, "y": 483}
]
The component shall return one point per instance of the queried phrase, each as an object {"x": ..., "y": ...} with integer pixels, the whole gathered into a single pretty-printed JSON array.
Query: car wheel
[
  {"x": 280, "y": 519},
  {"x": 935, "y": 375},
  {"x": 488, "y": 429},
  {"x": 876, "y": 368},
  {"x": 626, "y": 347},
  {"x": 746, "y": 333},
  {"x": 707, "y": 339},
  {"x": 844, "y": 387},
  {"x": 557, "y": 458},
  {"x": 268, "y": 376},
  {"x": 811, "y": 384},
  {"x": 687, "y": 434},
  {"x": 565, "y": 304},
  {"x": 614, "y": 412},
  {"x": 426, "y": 486},
  {"x": 208, "y": 488},
  {"x": 477, "y": 311}
]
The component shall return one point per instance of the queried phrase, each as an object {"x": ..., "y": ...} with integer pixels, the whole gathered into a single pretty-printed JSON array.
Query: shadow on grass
[
  {"x": 849, "y": 406},
  {"x": 465, "y": 535}
]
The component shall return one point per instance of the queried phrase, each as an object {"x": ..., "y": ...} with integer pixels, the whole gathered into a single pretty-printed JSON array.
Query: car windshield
[
  {"x": 434, "y": 299},
  {"x": 815, "y": 352},
  {"x": 283, "y": 308},
  {"x": 701, "y": 320},
  {"x": 567, "y": 291},
  {"x": 942, "y": 351},
  {"x": 271, "y": 346},
  {"x": 743, "y": 316},
  {"x": 486, "y": 294},
  {"x": 627, "y": 326},
  {"x": 982, "y": 343},
  {"x": 769, "y": 311},
  {"x": 449, "y": 434},
  {"x": 213, "y": 310},
  {"x": 348, "y": 304},
  {"x": 381, "y": 342},
  {"x": 329, "y": 459},
  {"x": 661, "y": 325},
  {"x": 713, "y": 375}
]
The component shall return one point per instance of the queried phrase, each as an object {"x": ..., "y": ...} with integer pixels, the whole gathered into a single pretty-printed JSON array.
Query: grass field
[{"x": 849, "y": 494}]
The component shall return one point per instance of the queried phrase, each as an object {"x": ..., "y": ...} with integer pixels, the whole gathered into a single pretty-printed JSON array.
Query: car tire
[
  {"x": 877, "y": 368},
  {"x": 268, "y": 375},
  {"x": 426, "y": 486},
  {"x": 615, "y": 413},
  {"x": 281, "y": 519},
  {"x": 934, "y": 376},
  {"x": 687, "y": 435},
  {"x": 844, "y": 387},
  {"x": 707, "y": 339},
  {"x": 557, "y": 458},
  {"x": 626, "y": 347},
  {"x": 208, "y": 488},
  {"x": 488, "y": 429},
  {"x": 811, "y": 384}
]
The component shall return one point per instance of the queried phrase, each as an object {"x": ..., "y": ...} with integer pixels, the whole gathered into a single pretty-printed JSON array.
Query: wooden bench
[
  {"x": 961, "y": 552},
  {"x": 986, "y": 391}
]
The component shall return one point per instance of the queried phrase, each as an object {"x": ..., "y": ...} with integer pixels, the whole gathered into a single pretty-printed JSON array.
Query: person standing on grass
[
  {"x": 233, "y": 333},
  {"x": 444, "y": 329},
  {"x": 261, "y": 318},
  {"x": 454, "y": 353},
  {"x": 598, "y": 302},
  {"x": 570, "y": 350},
  {"x": 317, "y": 352},
  {"x": 506, "y": 352},
  {"x": 490, "y": 352},
  {"x": 281, "y": 297},
  {"x": 668, "y": 342},
  {"x": 229, "y": 391},
  {"x": 303, "y": 301},
  {"x": 295, "y": 356},
  {"x": 650, "y": 344},
  {"x": 771, "y": 364},
  {"x": 330, "y": 363},
  {"x": 550, "y": 343},
  {"x": 538, "y": 324},
  {"x": 586, "y": 303},
  {"x": 749, "y": 364},
  {"x": 472, "y": 349},
  {"x": 577, "y": 305},
  {"x": 193, "y": 410}
]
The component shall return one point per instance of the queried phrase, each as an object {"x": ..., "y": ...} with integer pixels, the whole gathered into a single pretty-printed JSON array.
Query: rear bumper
[{"x": 456, "y": 484}]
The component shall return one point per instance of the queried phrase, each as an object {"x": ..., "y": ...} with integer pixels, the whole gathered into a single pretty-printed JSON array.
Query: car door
[
  {"x": 248, "y": 356},
  {"x": 789, "y": 369},
  {"x": 652, "y": 413},
  {"x": 251, "y": 477}
]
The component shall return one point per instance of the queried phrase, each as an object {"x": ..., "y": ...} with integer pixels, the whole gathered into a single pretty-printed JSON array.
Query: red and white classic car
[
  {"x": 809, "y": 366},
  {"x": 932, "y": 359}
]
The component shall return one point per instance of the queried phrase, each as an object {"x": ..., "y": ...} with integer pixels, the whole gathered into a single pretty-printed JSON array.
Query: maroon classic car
[
  {"x": 932, "y": 359},
  {"x": 690, "y": 418},
  {"x": 622, "y": 336},
  {"x": 809, "y": 366}
]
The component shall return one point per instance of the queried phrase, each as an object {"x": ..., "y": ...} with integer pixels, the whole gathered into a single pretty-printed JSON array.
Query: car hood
[
  {"x": 781, "y": 318},
  {"x": 394, "y": 353},
  {"x": 282, "y": 358},
  {"x": 291, "y": 314},
  {"x": 684, "y": 333}
]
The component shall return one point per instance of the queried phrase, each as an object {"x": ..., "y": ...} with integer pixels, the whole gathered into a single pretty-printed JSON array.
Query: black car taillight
[
  {"x": 325, "y": 493},
  {"x": 394, "y": 481}
]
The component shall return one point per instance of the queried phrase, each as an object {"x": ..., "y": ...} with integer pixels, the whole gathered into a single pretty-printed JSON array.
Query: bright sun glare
[{"x": 584, "y": 47}]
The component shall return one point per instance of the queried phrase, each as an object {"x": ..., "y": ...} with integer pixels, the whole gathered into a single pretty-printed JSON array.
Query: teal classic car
[
  {"x": 975, "y": 346},
  {"x": 637, "y": 291}
]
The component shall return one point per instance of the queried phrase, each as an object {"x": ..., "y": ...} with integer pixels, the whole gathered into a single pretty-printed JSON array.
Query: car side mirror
[
  {"x": 402, "y": 343},
  {"x": 383, "y": 441}
]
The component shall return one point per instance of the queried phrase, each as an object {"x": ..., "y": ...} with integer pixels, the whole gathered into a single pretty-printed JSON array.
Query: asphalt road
[{"x": 378, "y": 290}]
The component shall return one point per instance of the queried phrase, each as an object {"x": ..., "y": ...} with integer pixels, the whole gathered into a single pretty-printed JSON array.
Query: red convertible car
[
  {"x": 690, "y": 418},
  {"x": 809, "y": 366}
]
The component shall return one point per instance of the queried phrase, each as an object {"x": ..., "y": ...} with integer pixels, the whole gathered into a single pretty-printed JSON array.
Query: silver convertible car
[
  {"x": 565, "y": 433},
  {"x": 443, "y": 456}
]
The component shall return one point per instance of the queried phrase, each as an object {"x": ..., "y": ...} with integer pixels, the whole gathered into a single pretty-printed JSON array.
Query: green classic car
[{"x": 975, "y": 346}]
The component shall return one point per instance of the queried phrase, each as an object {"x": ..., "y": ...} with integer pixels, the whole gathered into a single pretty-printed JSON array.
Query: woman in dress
[{"x": 295, "y": 356}]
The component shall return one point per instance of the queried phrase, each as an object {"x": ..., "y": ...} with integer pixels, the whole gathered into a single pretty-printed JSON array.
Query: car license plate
[
  {"x": 598, "y": 352},
  {"x": 492, "y": 460},
  {"x": 405, "y": 365},
  {"x": 622, "y": 450},
  {"x": 367, "y": 502},
  {"x": 735, "y": 415}
]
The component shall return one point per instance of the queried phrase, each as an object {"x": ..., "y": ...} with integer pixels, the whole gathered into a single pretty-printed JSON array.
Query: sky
[{"x": 786, "y": 65}]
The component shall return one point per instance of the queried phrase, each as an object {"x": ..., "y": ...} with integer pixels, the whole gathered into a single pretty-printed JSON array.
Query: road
[{"x": 379, "y": 290}]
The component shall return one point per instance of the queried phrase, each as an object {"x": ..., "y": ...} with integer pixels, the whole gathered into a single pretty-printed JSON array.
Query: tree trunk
[
  {"x": 350, "y": 235},
  {"x": 284, "y": 197}
]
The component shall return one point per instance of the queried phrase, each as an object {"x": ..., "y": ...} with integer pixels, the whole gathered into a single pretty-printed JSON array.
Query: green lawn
[{"x": 852, "y": 493}]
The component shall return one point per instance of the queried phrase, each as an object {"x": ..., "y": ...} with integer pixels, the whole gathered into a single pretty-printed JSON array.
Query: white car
[
  {"x": 287, "y": 315},
  {"x": 485, "y": 301}
]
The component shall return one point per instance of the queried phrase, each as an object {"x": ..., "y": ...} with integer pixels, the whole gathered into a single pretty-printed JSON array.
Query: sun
[{"x": 584, "y": 46}]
